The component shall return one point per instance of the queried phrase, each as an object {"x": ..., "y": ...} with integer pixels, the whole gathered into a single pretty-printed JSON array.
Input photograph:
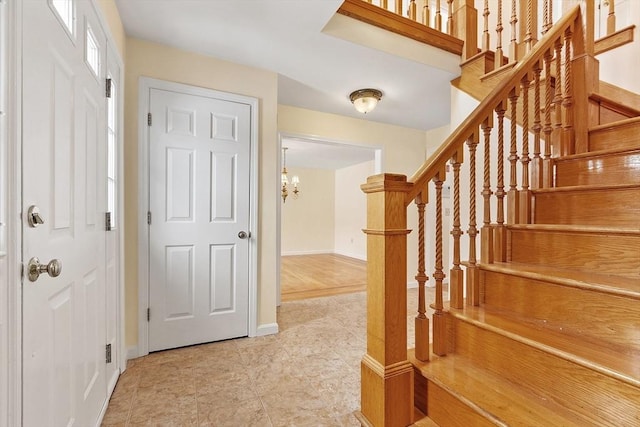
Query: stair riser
[
  {"x": 575, "y": 387},
  {"x": 595, "y": 316},
  {"x": 448, "y": 411},
  {"x": 621, "y": 168},
  {"x": 606, "y": 207},
  {"x": 618, "y": 136},
  {"x": 600, "y": 253}
]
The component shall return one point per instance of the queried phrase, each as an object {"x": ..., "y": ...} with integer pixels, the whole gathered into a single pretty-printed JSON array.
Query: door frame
[
  {"x": 145, "y": 84},
  {"x": 11, "y": 279}
]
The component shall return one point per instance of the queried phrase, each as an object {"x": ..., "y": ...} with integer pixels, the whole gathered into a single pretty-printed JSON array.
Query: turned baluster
[
  {"x": 449, "y": 17},
  {"x": 525, "y": 194},
  {"x": 439, "y": 320},
  {"x": 499, "y": 53},
  {"x": 557, "y": 99},
  {"x": 547, "y": 19},
  {"x": 421, "y": 320},
  {"x": 499, "y": 238},
  {"x": 486, "y": 233},
  {"x": 438, "y": 21},
  {"x": 398, "y": 8},
  {"x": 426, "y": 13},
  {"x": 611, "y": 18},
  {"x": 412, "y": 10},
  {"x": 384, "y": 4},
  {"x": 485, "y": 32},
  {"x": 456, "y": 278},
  {"x": 473, "y": 274},
  {"x": 547, "y": 170},
  {"x": 513, "y": 47},
  {"x": 536, "y": 165},
  {"x": 568, "y": 142},
  {"x": 513, "y": 202},
  {"x": 528, "y": 38}
]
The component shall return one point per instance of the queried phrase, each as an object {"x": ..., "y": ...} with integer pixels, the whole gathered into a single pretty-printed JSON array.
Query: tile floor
[{"x": 307, "y": 375}]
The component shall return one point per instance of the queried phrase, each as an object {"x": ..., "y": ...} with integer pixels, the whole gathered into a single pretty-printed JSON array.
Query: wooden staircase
[
  {"x": 541, "y": 326},
  {"x": 555, "y": 340}
]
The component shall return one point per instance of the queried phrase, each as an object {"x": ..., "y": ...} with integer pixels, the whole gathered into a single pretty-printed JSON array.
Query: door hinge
[
  {"x": 107, "y": 220},
  {"x": 108, "y": 353},
  {"x": 149, "y": 120},
  {"x": 108, "y": 88},
  {"x": 149, "y": 217},
  {"x": 148, "y": 314}
]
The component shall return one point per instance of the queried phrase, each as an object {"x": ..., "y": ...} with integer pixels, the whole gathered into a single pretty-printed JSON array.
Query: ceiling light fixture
[{"x": 365, "y": 100}]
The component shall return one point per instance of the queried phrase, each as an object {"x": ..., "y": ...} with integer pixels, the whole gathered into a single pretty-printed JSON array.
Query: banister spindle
[
  {"x": 456, "y": 278},
  {"x": 473, "y": 285},
  {"x": 568, "y": 142},
  {"x": 398, "y": 8},
  {"x": 384, "y": 4},
  {"x": 513, "y": 47},
  {"x": 499, "y": 53},
  {"x": 426, "y": 13},
  {"x": 412, "y": 12},
  {"x": 525, "y": 194},
  {"x": 536, "y": 166},
  {"x": 528, "y": 38},
  {"x": 500, "y": 250},
  {"x": 438, "y": 21},
  {"x": 611, "y": 18},
  {"x": 439, "y": 320},
  {"x": 547, "y": 171},
  {"x": 486, "y": 233},
  {"x": 512, "y": 196},
  {"x": 421, "y": 320},
  {"x": 449, "y": 17},
  {"x": 557, "y": 98},
  {"x": 485, "y": 32}
]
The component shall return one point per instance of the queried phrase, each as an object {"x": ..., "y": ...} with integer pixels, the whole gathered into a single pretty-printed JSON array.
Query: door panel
[
  {"x": 64, "y": 175},
  {"x": 199, "y": 200}
]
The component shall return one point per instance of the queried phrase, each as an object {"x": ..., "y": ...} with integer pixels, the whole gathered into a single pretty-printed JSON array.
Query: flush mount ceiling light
[{"x": 365, "y": 100}]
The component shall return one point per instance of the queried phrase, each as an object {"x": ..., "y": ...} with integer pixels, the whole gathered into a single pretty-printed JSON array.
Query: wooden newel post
[
  {"x": 465, "y": 26},
  {"x": 387, "y": 375}
]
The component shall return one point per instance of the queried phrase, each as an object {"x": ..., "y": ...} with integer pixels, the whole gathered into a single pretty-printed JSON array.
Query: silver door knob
[
  {"x": 35, "y": 269},
  {"x": 244, "y": 235}
]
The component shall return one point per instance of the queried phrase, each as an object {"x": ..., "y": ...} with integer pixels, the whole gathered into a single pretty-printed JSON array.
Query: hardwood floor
[{"x": 310, "y": 276}]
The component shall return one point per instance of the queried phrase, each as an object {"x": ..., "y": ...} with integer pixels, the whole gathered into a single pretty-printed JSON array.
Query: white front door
[
  {"x": 199, "y": 173},
  {"x": 63, "y": 163}
]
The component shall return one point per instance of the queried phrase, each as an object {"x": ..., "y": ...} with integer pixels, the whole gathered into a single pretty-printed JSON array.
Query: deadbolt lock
[{"x": 33, "y": 216}]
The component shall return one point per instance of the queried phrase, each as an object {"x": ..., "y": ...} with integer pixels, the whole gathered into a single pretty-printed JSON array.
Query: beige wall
[
  {"x": 162, "y": 62},
  {"x": 351, "y": 210},
  {"x": 112, "y": 16},
  {"x": 403, "y": 149},
  {"x": 308, "y": 221}
]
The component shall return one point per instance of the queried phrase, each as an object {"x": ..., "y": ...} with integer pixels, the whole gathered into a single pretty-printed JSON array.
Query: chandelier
[{"x": 285, "y": 179}]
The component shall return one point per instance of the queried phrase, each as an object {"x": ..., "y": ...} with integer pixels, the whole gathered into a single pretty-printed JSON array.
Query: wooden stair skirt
[{"x": 556, "y": 338}]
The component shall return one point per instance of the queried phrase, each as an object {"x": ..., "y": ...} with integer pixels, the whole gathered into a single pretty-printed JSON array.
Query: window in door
[
  {"x": 92, "y": 51},
  {"x": 112, "y": 152},
  {"x": 66, "y": 12}
]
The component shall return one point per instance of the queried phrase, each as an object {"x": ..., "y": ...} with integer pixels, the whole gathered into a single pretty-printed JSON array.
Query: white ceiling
[{"x": 320, "y": 57}]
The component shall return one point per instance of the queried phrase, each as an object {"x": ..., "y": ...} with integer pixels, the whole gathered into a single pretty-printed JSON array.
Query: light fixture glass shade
[
  {"x": 295, "y": 180},
  {"x": 365, "y": 100},
  {"x": 284, "y": 178}
]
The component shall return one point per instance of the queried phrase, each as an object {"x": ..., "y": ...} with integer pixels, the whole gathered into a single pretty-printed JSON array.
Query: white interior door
[
  {"x": 199, "y": 159},
  {"x": 64, "y": 176}
]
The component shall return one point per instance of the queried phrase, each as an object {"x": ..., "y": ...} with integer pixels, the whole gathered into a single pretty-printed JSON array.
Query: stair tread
[
  {"x": 572, "y": 228},
  {"x": 598, "y": 153},
  {"x": 607, "y": 360},
  {"x": 587, "y": 187},
  {"x": 499, "y": 400},
  {"x": 611, "y": 284},
  {"x": 625, "y": 122}
]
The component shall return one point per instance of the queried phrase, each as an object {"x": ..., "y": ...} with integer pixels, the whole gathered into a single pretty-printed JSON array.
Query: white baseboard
[
  {"x": 351, "y": 255},
  {"x": 267, "y": 329},
  {"x": 412, "y": 285},
  {"x": 294, "y": 253},
  {"x": 132, "y": 353}
]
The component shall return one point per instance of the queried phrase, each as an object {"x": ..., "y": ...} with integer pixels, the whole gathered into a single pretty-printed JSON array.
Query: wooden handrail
[{"x": 469, "y": 127}]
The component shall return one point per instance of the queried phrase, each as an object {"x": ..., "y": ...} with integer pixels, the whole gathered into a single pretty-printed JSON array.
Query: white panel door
[
  {"x": 199, "y": 201},
  {"x": 64, "y": 175}
]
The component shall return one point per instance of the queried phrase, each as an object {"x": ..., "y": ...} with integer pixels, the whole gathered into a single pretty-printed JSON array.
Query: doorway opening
[{"x": 321, "y": 245}]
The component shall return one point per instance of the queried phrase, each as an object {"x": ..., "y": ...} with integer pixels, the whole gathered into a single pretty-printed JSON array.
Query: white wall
[
  {"x": 308, "y": 221},
  {"x": 351, "y": 210}
]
